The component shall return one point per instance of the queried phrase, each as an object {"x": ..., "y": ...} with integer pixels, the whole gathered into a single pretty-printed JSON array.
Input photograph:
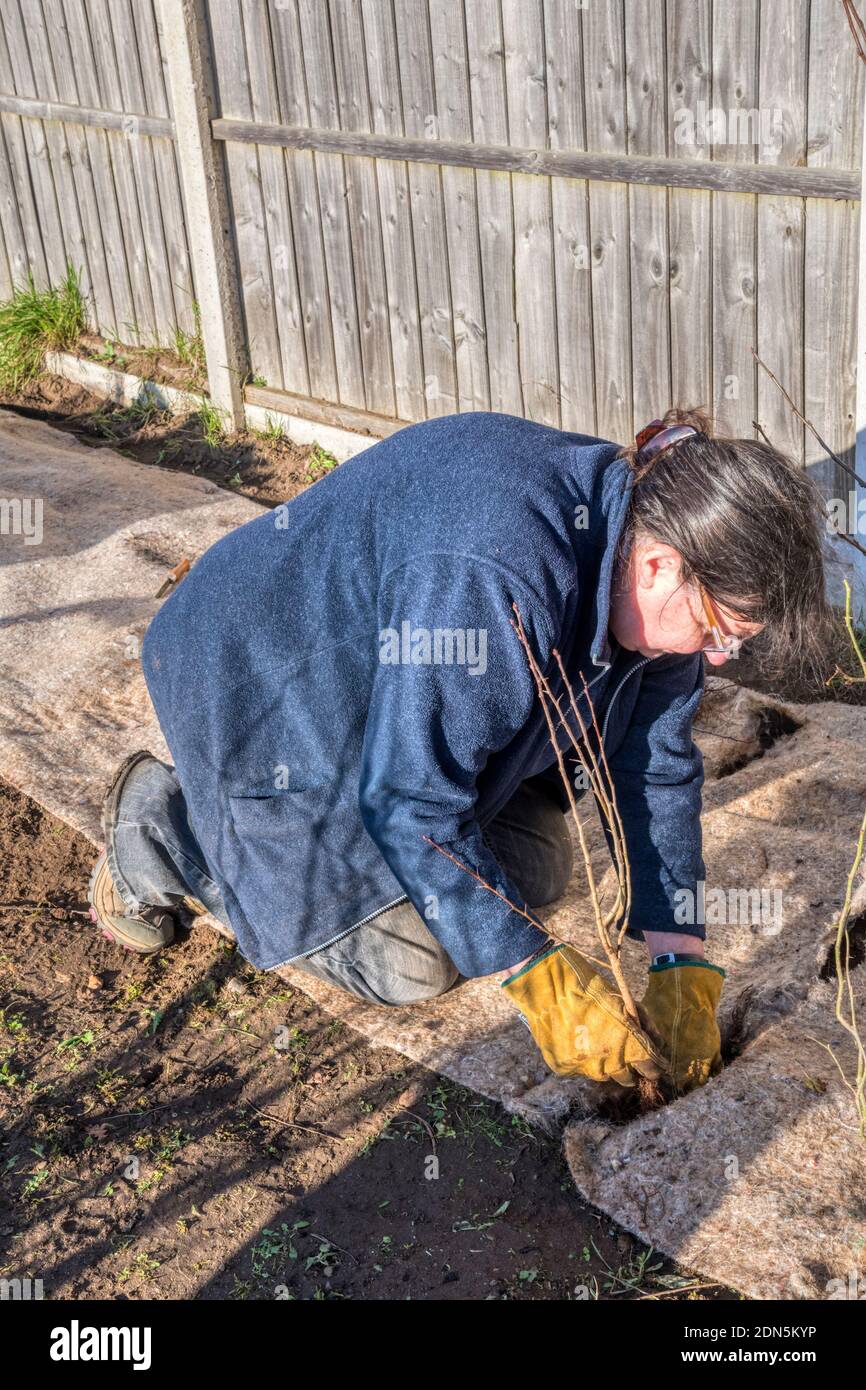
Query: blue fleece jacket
[{"x": 339, "y": 679}]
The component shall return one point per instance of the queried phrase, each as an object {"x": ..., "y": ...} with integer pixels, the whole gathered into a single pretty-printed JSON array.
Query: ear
[{"x": 657, "y": 564}]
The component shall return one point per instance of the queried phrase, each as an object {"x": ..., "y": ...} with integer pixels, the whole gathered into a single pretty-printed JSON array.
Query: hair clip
[{"x": 655, "y": 437}]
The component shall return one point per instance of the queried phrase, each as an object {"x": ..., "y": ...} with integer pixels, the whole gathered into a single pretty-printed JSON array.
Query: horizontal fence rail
[{"x": 576, "y": 164}]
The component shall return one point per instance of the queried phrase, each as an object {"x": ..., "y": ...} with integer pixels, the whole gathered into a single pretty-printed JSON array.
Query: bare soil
[
  {"x": 151, "y": 364},
  {"x": 267, "y": 470},
  {"x": 189, "y": 1127}
]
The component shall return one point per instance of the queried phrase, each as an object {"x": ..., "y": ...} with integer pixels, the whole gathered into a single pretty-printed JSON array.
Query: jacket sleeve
[
  {"x": 658, "y": 774},
  {"x": 452, "y": 686}
]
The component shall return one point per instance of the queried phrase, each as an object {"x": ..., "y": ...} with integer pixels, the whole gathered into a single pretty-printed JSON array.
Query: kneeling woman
[{"x": 339, "y": 679}]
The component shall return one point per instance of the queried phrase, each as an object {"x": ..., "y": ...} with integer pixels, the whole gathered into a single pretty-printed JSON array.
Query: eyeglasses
[{"x": 723, "y": 643}]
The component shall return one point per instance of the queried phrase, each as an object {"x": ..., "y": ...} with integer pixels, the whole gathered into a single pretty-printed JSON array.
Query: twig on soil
[
  {"x": 295, "y": 1124},
  {"x": 669, "y": 1293},
  {"x": 334, "y": 1245},
  {"x": 427, "y": 1125},
  {"x": 128, "y": 1114}
]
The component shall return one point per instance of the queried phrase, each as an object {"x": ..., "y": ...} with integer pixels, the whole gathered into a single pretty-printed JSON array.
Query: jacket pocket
[{"x": 262, "y": 810}]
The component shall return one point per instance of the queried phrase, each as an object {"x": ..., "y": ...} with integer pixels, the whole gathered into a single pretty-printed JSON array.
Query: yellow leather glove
[
  {"x": 680, "y": 1006},
  {"x": 579, "y": 1022}
]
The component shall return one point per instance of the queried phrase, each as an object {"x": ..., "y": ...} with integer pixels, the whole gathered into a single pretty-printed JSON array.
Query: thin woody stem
[
  {"x": 619, "y": 825},
  {"x": 808, "y": 423},
  {"x": 610, "y": 951},
  {"x": 588, "y": 761},
  {"x": 501, "y": 896}
]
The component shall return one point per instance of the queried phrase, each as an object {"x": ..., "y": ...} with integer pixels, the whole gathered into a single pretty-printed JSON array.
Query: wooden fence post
[{"x": 188, "y": 59}]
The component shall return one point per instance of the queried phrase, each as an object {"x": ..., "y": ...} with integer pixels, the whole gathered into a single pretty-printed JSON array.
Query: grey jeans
[{"x": 394, "y": 959}]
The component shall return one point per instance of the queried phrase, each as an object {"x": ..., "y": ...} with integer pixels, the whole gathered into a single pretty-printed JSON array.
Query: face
[{"x": 654, "y": 613}]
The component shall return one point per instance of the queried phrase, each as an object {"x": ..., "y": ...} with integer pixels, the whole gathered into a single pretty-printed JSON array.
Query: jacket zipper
[
  {"x": 646, "y": 660},
  {"x": 377, "y": 912}
]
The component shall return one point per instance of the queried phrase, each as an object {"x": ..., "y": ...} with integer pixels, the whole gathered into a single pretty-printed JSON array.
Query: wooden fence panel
[
  {"x": 580, "y": 213},
  {"x": 831, "y": 253}
]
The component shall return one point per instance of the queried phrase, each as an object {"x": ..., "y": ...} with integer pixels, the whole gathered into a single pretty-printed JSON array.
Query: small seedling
[{"x": 320, "y": 461}]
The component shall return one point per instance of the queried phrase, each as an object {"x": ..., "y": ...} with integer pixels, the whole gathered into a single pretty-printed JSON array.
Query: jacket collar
[{"x": 616, "y": 482}]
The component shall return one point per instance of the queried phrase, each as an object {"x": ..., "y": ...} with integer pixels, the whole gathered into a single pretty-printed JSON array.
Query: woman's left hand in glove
[{"x": 679, "y": 1007}]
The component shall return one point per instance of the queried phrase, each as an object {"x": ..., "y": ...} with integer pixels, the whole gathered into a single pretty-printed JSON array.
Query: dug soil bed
[
  {"x": 189, "y": 1127},
  {"x": 265, "y": 468}
]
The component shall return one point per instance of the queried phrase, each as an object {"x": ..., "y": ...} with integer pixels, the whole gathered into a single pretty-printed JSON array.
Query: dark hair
[{"x": 749, "y": 525}]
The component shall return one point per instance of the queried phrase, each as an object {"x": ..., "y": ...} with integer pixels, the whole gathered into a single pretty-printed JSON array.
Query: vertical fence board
[
  {"x": 486, "y": 57},
  {"x": 428, "y": 214},
  {"x": 533, "y": 246},
  {"x": 734, "y": 253},
  {"x": 371, "y": 292},
  {"x": 31, "y": 152},
  {"x": 688, "y": 83},
  {"x": 247, "y": 198},
  {"x": 648, "y": 212},
  {"x": 333, "y": 197},
  {"x": 83, "y": 229},
  {"x": 5, "y": 271},
  {"x": 834, "y": 137},
  {"x": 309, "y": 248},
  {"x": 15, "y": 240},
  {"x": 141, "y": 157},
  {"x": 69, "y": 36},
  {"x": 781, "y": 221},
  {"x": 393, "y": 180},
  {"x": 280, "y": 244},
  {"x": 147, "y": 42},
  {"x": 143, "y": 326},
  {"x": 55, "y": 61},
  {"x": 453, "y": 105},
  {"x": 604, "y": 65},
  {"x": 570, "y": 209}
]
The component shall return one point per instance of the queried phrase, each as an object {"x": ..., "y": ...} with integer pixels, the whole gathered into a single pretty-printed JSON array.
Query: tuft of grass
[
  {"x": 36, "y": 321},
  {"x": 273, "y": 431},
  {"x": 211, "y": 423},
  {"x": 189, "y": 347}
]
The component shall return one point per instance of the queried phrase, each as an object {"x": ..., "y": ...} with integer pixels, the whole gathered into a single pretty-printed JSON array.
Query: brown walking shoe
[{"x": 147, "y": 931}]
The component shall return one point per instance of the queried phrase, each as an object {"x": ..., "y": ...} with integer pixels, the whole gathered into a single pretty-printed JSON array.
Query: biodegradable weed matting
[{"x": 758, "y": 1180}]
